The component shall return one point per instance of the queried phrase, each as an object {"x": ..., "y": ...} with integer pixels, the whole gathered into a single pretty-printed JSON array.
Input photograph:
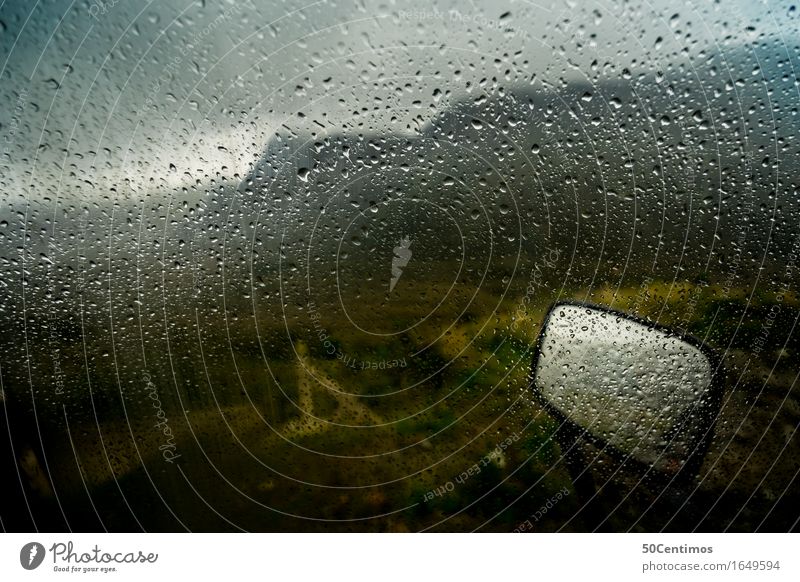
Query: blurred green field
[{"x": 292, "y": 438}]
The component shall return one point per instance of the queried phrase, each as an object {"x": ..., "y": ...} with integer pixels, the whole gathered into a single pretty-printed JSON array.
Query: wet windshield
[{"x": 285, "y": 268}]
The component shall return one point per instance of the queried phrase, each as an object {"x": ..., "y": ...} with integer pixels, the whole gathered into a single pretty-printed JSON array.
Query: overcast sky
[{"x": 102, "y": 90}]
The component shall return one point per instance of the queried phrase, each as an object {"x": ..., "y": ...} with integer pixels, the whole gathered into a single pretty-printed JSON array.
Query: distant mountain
[
  {"x": 628, "y": 165},
  {"x": 681, "y": 172}
]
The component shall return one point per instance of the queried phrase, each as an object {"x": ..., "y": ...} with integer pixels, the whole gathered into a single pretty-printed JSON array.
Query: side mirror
[{"x": 637, "y": 390}]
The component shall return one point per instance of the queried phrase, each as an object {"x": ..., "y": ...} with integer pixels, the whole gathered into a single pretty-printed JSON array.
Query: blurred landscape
[{"x": 229, "y": 355}]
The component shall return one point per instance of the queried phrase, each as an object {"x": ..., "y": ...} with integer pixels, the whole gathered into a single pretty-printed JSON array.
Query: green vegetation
[{"x": 294, "y": 429}]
